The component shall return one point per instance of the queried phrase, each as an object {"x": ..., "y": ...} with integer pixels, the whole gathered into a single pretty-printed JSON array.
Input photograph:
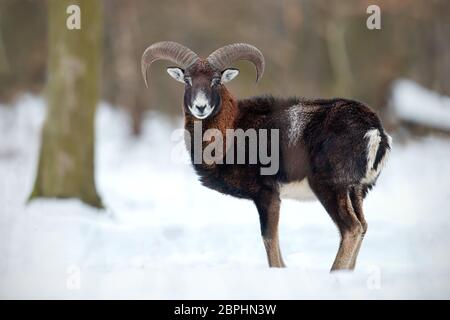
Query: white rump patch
[
  {"x": 374, "y": 138},
  {"x": 297, "y": 190}
]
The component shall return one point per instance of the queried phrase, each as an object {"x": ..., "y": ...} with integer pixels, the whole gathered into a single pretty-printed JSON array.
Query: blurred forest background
[
  {"x": 312, "y": 48},
  {"x": 161, "y": 233}
]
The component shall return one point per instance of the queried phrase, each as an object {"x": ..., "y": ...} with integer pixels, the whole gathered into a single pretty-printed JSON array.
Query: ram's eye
[
  {"x": 188, "y": 80},
  {"x": 215, "y": 81}
]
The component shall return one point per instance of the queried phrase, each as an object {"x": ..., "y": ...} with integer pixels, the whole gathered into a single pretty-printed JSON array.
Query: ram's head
[{"x": 203, "y": 78}]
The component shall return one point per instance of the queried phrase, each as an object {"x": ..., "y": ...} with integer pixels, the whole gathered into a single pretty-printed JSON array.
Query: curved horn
[
  {"x": 167, "y": 50},
  {"x": 225, "y": 56}
]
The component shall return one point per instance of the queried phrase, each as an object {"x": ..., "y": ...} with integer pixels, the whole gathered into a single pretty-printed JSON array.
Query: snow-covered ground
[
  {"x": 163, "y": 235},
  {"x": 413, "y": 103}
]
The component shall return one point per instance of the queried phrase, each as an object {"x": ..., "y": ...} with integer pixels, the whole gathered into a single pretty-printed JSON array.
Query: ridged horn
[
  {"x": 224, "y": 57},
  {"x": 167, "y": 50}
]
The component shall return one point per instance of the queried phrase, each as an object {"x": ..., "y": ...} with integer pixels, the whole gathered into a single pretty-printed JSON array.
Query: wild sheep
[{"x": 329, "y": 149}]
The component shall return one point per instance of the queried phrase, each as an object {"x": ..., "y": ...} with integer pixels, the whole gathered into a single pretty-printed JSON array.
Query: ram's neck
[{"x": 223, "y": 120}]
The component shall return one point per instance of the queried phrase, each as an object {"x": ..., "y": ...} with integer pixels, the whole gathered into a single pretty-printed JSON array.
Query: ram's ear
[
  {"x": 176, "y": 73},
  {"x": 229, "y": 74}
]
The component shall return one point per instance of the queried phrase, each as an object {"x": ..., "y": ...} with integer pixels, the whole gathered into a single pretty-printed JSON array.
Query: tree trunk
[
  {"x": 4, "y": 65},
  {"x": 66, "y": 163},
  {"x": 127, "y": 71}
]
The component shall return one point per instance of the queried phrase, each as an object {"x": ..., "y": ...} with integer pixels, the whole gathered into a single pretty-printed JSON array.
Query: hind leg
[
  {"x": 357, "y": 197},
  {"x": 337, "y": 203}
]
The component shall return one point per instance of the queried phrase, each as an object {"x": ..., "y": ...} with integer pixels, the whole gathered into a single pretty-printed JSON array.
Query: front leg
[{"x": 268, "y": 205}]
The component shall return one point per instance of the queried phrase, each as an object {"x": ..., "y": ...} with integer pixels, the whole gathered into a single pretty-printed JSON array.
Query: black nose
[{"x": 201, "y": 108}]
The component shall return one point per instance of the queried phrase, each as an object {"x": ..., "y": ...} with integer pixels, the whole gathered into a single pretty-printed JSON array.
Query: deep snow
[{"x": 163, "y": 235}]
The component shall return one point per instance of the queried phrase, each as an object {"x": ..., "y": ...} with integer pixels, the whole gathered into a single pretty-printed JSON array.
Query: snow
[
  {"x": 414, "y": 103},
  {"x": 164, "y": 236}
]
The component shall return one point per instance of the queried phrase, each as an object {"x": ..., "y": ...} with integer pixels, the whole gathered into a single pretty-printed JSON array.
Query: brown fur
[
  {"x": 331, "y": 152},
  {"x": 225, "y": 119}
]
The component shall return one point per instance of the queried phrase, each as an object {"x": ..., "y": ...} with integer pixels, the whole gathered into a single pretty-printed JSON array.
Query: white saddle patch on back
[
  {"x": 298, "y": 117},
  {"x": 297, "y": 190},
  {"x": 295, "y": 123}
]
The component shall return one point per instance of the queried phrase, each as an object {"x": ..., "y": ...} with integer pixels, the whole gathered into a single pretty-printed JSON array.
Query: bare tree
[{"x": 66, "y": 163}]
